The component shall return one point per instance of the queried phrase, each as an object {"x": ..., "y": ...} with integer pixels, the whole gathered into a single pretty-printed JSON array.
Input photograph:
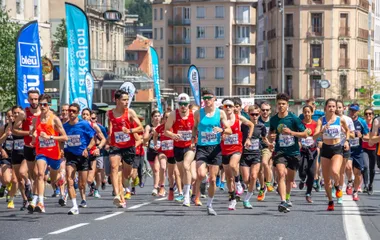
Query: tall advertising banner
[
  {"x": 195, "y": 83},
  {"x": 156, "y": 77},
  {"x": 78, "y": 58},
  {"x": 28, "y": 63},
  {"x": 130, "y": 89}
]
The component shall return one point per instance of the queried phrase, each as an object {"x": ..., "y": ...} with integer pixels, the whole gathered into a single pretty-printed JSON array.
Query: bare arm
[
  {"x": 59, "y": 127},
  {"x": 318, "y": 131},
  {"x": 147, "y": 135},
  {"x": 249, "y": 124},
  {"x": 223, "y": 119},
  {"x": 133, "y": 118},
  {"x": 100, "y": 134},
  {"x": 4, "y": 133},
  {"x": 373, "y": 136},
  {"x": 17, "y": 126},
  {"x": 195, "y": 127},
  {"x": 345, "y": 127},
  {"x": 168, "y": 127}
]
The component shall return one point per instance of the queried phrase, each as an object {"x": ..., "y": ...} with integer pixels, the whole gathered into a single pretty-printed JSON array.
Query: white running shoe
[
  {"x": 232, "y": 205},
  {"x": 73, "y": 211}
]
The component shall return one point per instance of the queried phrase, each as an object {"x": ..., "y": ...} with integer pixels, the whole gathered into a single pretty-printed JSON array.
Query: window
[
  {"x": 187, "y": 90},
  {"x": 316, "y": 24},
  {"x": 219, "y": 91},
  {"x": 19, "y": 6},
  {"x": 161, "y": 33},
  {"x": 201, "y": 52},
  {"x": 201, "y": 32},
  {"x": 316, "y": 55},
  {"x": 316, "y": 89},
  {"x": 161, "y": 52},
  {"x": 130, "y": 56},
  {"x": 219, "y": 11},
  {"x": 289, "y": 55},
  {"x": 289, "y": 86},
  {"x": 155, "y": 14},
  {"x": 155, "y": 34},
  {"x": 202, "y": 72},
  {"x": 243, "y": 14},
  {"x": 244, "y": 91},
  {"x": 219, "y": 32},
  {"x": 161, "y": 13},
  {"x": 219, "y": 73},
  {"x": 289, "y": 25},
  {"x": 343, "y": 86},
  {"x": 35, "y": 8},
  {"x": 219, "y": 52},
  {"x": 187, "y": 53},
  {"x": 200, "y": 12},
  {"x": 186, "y": 13}
]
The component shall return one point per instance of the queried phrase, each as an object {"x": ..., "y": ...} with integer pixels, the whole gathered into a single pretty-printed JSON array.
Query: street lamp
[{"x": 280, "y": 4}]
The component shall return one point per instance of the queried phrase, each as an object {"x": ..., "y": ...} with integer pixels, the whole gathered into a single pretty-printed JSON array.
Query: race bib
[
  {"x": 208, "y": 137},
  {"x": 255, "y": 144},
  {"x": 46, "y": 143},
  {"x": 307, "y": 142},
  {"x": 286, "y": 140},
  {"x": 167, "y": 145},
  {"x": 18, "y": 144},
  {"x": 74, "y": 141},
  {"x": 121, "y": 137},
  {"x": 151, "y": 144},
  {"x": 65, "y": 145},
  {"x": 232, "y": 139},
  {"x": 332, "y": 132},
  {"x": 185, "y": 135},
  {"x": 9, "y": 144},
  {"x": 354, "y": 142}
]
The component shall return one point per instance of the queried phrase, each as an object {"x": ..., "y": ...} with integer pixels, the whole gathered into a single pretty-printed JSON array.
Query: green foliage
[
  {"x": 143, "y": 8},
  {"x": 60, "y": 36},
  {"x": 8, "y": 35}
]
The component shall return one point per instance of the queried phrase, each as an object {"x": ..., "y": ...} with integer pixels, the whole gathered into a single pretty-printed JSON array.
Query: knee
[
  {"x": 281, "y": 175},
  {"x": 70, "y": 182},
  {"x": 202, "y": 175}
]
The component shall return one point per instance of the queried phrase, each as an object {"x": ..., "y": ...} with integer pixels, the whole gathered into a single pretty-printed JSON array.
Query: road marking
[
  {"x": 139, "y": 205},
  {"x": 68, "y": 228},
  {"x": 108, "y": 216},
  {"x": 160, "y": 199},
  {"x": 35, "y": 239},
  {"x": 352, "y": 221}
]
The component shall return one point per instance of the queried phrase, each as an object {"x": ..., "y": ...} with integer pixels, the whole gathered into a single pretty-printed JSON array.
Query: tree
[
  {"x": 8, "y": 35},
  {"x": 143, "y": 8},
  {"x": 60, "y": 36}
]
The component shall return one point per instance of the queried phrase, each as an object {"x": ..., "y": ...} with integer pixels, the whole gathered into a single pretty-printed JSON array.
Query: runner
[
  {"x": 286, "y": 128},
  {"x": 251, "y": 159},
  {"x": 80, "y": 141},
  {"x": 179, "y": 127},
  {"x": 61, "y": 183},
  {"x": 369, "y": 155},
  {"x": 330, "y": 128},
  {"x": 6, "y": 147},
  {"x": 208, "y": 122},
  {"x": 375, "y": 139},
  {"x": 361, "y": 134},
  {"x": 139, "y": 159},
  {"x": 232, "y": 148},
  {"x": 122, "y": 142},
  {"x": 47, "y": 131}
]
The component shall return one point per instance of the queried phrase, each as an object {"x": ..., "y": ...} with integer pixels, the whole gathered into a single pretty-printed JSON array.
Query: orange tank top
[{"x": 49, "y": 148}]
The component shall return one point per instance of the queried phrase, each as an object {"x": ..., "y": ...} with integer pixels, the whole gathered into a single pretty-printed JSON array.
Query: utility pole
[{"x": 281, "y": 10}]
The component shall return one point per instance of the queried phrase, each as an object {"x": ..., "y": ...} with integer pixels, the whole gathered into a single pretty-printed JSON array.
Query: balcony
[
  {"x": 271, "y": 63},
  {"x": 289, "y": 31},
  {"x": 271, "y": 34},
  {"x": 316, "y": 63},
  {"x": 179, "y": 41},
  {"x": 242, "y": 20},
  {"x": 241, "y": 61},
  {"x": 363, "y": 33},
  {"x": 314, "y": 2},
  {"x": 288, "y": 62},
  {"x": 243, "y": 41},
  {"x": 289, "y": 2},
  {"x": 344, "y": 63},
  {"x": 364, "y": 4},
  {"x": 345, "y": 2},
  {"x": 344, "y": 32},
  {"x": 178, "y": 80},
  {"x": 241, "y": 80},
  {"x": 179, "y": 61},
  {"x": 315, "y": 31},
  {"x": 179, "y": 22}
]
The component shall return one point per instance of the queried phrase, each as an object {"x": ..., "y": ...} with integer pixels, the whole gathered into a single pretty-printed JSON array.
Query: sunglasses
[
  {"x": 73, "y": 111},
  {"x": 93, "y": 118},
  {"x": 254, "y": 114},
  {"x": 183, "y": 104},
  {"x": 265, "y": 110},
  {"x": 207, "y": 98},
  {"x": 368, "y": 114},
  {"x": 228, "y": 106},
  {"x": 44, "y": 104}
]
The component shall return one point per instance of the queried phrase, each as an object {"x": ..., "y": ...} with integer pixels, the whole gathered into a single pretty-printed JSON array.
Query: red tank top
[
  {"x": 27, "y": 124},
  {"x": 139, "y": 148},
  {"x": 118, "y": 138},
  {"x": 309, "y": 141},
  {"x": 233, "y": 143},
  {"x": 49, "y": 148},
  {"x": 166, "y": 142},
  {"x": 365, "y": 145},
  {"x": 93, "y": 147},
  {"x": 183, "y": 127}
]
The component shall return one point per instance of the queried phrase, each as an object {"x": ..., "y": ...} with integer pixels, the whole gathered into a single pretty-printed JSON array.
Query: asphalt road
[{"x": 148, "y": 217}]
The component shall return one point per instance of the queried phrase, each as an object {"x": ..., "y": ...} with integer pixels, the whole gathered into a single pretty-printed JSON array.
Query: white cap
[{"x": 183, "y": 97}]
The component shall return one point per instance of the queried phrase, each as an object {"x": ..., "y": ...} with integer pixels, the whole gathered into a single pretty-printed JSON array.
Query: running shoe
[
  {"x": 56, "y": 193},
  {"x": 76, "y": 183},
  {"x": 360, "y": 189},
  {"x": 40, "y": 208},
  {"x": 155, "y": 192},
  {"x": 270, "y": 188},
  {"x": 211, "y": 211},
  {"x": 340, "y": 201},
  {"x": 365, "y": 189},
  {"x": 162, "y": 192},
  {"x": 186, "y": 204},
  {"x": 218, "y": 182},
  {"x": 333, "y": 192},
  {"x": 258, "y": 185},
  {"x": 355, "y": 196},
  {"x": 222, "y": 186},
  {"x": 338, "y": 193},
  {"x": 104, "y": 186},
  {"x": 239, "y": 190},
  {"x": 180, "y": 198},
  {"x": 232, "y": 205},
  {"x": 2, "y": 191},
  {"x": 315, "y": 185},
  {"x": 63, "y": 200},
  {"x": 91, "y": 193},
  {"x": 96, "y": 194},
  {"x": 142, "y": 185},
  {"x": 275, "y": 185},
  {"x": 25, "y": 204},
  {"x": 136, "y": 182},
  {"x": 197, "y": 202},
  {"x": 349, "y": 189},
  {"x": 73, "y": 211},
  {"x": 109, "y": 181},
  {"x": 31, "y": 208},
  {"x": 171, "y": 195},
  {"x": 127, "y": 195},
  {"x": 133, "y": 191},
  {"x": 123, "y": 205},
  {"x": 247, "y": 205},
  {"x": 117, "y": 201},
  {"x": 83, "y": 204},
  {"x": 283, "y": 207},
  {"x": 370, "y": 190},
  {"x": 330, "y": 207},
  {"x": 308, "y": 198},
  {"x": 289, "y": 203},
  {"x": 261, "y": 196},
  {"x": 11, "y": 204},
  {"x": 301, "y": 185}
]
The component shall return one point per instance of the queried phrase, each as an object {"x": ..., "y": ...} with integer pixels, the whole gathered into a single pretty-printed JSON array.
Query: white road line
[
  {"x": 68, "y": 228},
  {"x": 35, "y": 239},
  {"x": 108, "y": 216},
  {"x": 352, "y": 221},
  {"x": 160, "y": 199},
  {"x": 139, "y": 205}
]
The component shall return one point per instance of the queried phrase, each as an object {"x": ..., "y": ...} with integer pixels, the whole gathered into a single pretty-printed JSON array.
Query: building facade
[
  {"x": 219, "y": 37},
  {"x": 376, "y": 15},
  {"x": 324, "y": 39}
]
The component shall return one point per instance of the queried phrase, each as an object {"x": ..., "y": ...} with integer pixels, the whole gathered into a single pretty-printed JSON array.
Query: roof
[{"x": 141, "y": 43}]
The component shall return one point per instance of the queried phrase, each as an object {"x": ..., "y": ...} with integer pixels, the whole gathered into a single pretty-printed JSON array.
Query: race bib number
[
  {"x": 354, "y": 142},
  {"x": 286, "y": 140},
  {"x": 121, "y": 137},
  {"x": 167, "y": 145},
  {"x": 208, "y": 137},
  {"x": 307, "y": 142},
  {"x": 9, "y": 144},
  {"x": 46, "y": 143},
  {"x": 232, "y": 139},
  {"x": 74, "y": 141},
  {"x": 65, "y": 145},
  {"x": 332, "y": 132},
  {"x": 255, "y": 144},
  {"x": 151, "y": 144},
  {"x": 185, "y": 135},
  {"x": 18, "y": 144}
]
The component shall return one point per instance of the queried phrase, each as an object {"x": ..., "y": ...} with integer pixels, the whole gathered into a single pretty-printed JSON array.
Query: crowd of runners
[{"x": 192, "y": 152}]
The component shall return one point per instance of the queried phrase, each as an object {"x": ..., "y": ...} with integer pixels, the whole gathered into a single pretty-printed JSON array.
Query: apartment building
[
  {"x": 376, "y": 15},
  {"x": 217, "y": 36},
  {"x": 324, "y": 39}
]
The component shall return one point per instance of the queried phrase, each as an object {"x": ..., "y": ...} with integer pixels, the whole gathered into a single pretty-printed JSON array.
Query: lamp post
[{"x": 281, "y": 10}]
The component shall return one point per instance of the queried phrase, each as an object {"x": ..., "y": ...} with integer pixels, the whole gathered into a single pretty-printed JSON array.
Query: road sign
[{"x": 376, "y": 101}]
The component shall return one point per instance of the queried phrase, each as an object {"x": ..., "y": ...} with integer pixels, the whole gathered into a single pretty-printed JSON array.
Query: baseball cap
[
  {"x": 183, "y": 97},
  {"x": 354, "y": 107}
]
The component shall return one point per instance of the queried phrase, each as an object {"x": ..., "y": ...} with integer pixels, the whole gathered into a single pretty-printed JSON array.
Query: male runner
[
  {"x": 80, "y": 140},
  {"x": 208, "y": 122},
  {"x": 47, "y": 132},
  {"x": 286, "y": 128}
]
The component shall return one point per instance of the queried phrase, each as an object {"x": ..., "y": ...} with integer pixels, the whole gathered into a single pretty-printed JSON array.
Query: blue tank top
[
  {"x": 334, "y": 130},
  {"x": 206, "y": 135}
]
